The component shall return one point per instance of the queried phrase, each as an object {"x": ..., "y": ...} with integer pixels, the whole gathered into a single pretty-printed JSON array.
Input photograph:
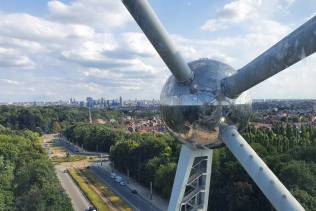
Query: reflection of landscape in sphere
[{"x": 193, "y": 113}]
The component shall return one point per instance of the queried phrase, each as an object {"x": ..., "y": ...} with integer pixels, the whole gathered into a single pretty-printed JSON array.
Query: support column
[
  {"x": 192, "y": 181},
  {"x": 269, "y": 184}
]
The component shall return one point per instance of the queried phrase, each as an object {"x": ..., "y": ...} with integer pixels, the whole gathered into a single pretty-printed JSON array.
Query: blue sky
[{"x": 52, "y": 50}]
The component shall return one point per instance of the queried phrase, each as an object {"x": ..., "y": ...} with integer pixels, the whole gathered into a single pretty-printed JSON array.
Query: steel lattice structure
[{"x": 204, "y": 103}]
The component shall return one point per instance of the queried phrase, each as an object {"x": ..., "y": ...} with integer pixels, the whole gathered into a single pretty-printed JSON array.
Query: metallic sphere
[{"x": 193, "y": 112}]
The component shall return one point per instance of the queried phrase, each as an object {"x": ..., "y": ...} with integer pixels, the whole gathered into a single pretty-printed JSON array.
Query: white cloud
[
  {"x": 71, "y": 54},
  {"x": 86, "y": 47},
  {"x": 138, "y": 44},
  {"x": 236, "y": 50},
  {"x": 90, "y": 51},
  {"x": 240, "y": 11},
  {"x": 99, "y": 14},
  {"x": 21, "y": 44},
  {"x": 38, "y": 39},
  {"x": 10, "y": 82},
  {"x": 38, "y": 29},
  {"x": 258, "y": 30},
  {"x": 297, "y": 81},
  {"x": 12, "y": 58},
  {"x": 233, "y": 12}
]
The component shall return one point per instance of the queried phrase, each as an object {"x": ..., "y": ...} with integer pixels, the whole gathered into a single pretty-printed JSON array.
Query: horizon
[{"x": 124, "y": 100}]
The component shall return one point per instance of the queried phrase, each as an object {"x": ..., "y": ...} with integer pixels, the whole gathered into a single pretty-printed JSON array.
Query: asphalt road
[
  {"x": 72, "y": 149},
  {"x": 78, "y": 200},
  {"x": 136, "y": 201},
  {"x": 124, "y": 192}
]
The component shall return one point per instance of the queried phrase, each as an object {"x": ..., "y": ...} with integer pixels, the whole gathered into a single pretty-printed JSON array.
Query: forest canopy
[
  {"x": 27, "y": 177},
  {"x": 288, "y": 150}
]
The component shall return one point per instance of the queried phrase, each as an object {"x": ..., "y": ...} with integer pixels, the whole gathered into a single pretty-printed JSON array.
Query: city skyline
[
  {"x": 115, "y": 102},
  {"x": 76, "y": 48},
  {"x": 90, "y": 102}
]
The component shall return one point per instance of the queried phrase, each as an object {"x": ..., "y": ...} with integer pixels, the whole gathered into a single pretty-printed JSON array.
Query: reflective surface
[{"x": 194, "y": 112}]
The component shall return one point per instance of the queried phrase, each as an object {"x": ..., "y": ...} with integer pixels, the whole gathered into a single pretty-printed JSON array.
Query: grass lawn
[
  {"x": 70, "y": 158},
  {"x": 58, "y": 150},
  {"x": 116, "y": 200},
  {"x": 94, "y": 198}
]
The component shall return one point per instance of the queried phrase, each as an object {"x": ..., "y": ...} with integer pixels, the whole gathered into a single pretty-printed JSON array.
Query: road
[
  {"x": 78, "y": 200},
  {"x": 124, "y": 192},
  {"x": 73, "y": 149}
]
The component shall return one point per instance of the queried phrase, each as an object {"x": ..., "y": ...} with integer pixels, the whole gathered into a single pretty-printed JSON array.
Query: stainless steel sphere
[{"x": 194, "y": 112}]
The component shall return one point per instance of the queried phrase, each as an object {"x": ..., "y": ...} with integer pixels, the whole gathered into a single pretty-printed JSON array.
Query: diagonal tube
[
  {"x": 291, "y": 49},
  {"x": 148, "y": 21},
  {"x": 268, "y": 183}
]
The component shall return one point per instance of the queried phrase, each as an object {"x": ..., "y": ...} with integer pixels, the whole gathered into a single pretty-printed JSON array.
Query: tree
[
  {"x": 27, "y": 177},
  {"x": 164, "y": 177},
  {"x": 56, "y": 128}
]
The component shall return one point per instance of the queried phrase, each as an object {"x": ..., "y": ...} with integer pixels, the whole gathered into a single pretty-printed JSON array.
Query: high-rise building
[
  {"x": 90, "y": 102},
  {"x": 121, "y": 101},
  {"x": 108, "y": 103}
]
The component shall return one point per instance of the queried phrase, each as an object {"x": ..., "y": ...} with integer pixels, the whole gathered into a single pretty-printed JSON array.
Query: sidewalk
[{"x": 156, "y": 200}]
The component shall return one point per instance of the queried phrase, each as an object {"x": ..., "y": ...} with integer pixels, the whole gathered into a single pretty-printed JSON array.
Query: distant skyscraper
[
  {"x": 108, "y": 103},
  {"x": 121, "y": 101},
  {"x": 89, "y": 102}
]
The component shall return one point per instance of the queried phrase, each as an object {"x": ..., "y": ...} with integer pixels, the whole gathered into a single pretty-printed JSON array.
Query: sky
[{"x": 61, "y": 49}]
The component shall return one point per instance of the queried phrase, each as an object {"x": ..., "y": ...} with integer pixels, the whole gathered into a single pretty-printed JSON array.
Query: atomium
[
  {"x": 193, "y": 112},
  {"x": 204, "y": 103}
]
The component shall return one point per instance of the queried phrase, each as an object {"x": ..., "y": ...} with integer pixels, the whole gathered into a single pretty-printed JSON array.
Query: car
[
  {"x": 122, "y": 183},
  {"x": 117, "y": 180},
  {"x": 113, "y": 175},
  {"x": 134, "y": 191},
  {"x": 91, "y": 209}
]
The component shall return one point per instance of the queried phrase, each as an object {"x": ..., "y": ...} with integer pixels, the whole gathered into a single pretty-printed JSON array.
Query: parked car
[
  {"x": 113, "y": 175},
  {"x": 134, "y": 191},
  {"x": 122, "y": 183}
]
